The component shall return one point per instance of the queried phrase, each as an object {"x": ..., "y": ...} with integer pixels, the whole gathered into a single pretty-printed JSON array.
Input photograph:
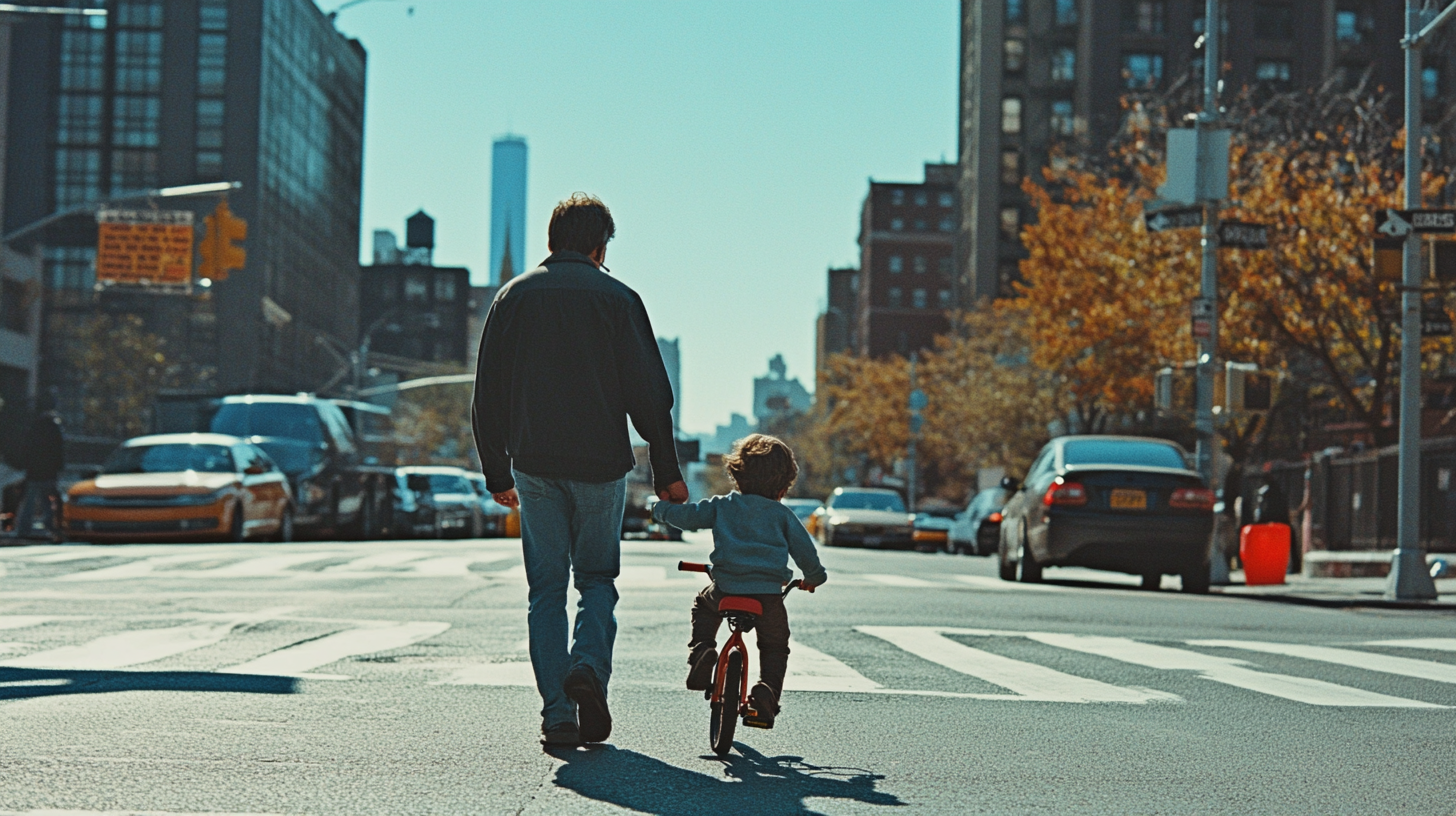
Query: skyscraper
[{"x": 507, "y": 209}]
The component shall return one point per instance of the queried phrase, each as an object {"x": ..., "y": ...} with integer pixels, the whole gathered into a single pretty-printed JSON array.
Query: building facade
[
  {"x": 414, "y": 316},
  {"x": 163, "y": 93},
  {"x": 507, "y": 209},
  {"x": 906, "y": 283},
  {"x": 834, "y": 330},
  {"x": 671, "y": 351},
  {"x": 1038, "y": 74}
]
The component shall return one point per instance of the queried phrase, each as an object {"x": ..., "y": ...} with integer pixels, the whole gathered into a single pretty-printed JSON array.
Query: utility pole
[
  {"x": 918, "y": 402},
  {"x": 1410, "y": 579},
  {"x": 1208, "y": 289}
]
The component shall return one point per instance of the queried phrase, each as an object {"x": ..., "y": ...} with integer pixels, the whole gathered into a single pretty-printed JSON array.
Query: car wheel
[
  {"x": 1195, "y": 579},
  {"x": 285, "y": 527},
  {"x": 236, "y": 531},
  {"x": 1006, "y": 566},
  {"x": 1152, "y": 581},
  {"x": 1027, "y": 570}
]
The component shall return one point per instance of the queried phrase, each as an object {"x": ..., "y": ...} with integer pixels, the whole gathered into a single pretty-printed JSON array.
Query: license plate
[
  {"x": 1129, "y": 500},
  {"x": 874, "y": 541}
]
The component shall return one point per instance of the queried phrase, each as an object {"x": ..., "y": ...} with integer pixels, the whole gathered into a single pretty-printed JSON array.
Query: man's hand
[
  {"x": 677, "y": 492},
  {"x": 510, "y": 498}
]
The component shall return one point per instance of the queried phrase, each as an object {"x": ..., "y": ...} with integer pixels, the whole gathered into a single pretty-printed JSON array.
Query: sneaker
[
  {"x": 591, "y": 704},
  {"x": 703, "y": 661},
  {"x": 562, "y": 735},
  {"x": 765, "y": 707}
]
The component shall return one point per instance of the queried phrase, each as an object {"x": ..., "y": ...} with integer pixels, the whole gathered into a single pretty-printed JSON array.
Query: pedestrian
[
  {"x": 1270, "y": 505},
  {"x": 43, "y": 456},
  {"x": 754, "y": 535},
  {"x": 567, "y": 357}
]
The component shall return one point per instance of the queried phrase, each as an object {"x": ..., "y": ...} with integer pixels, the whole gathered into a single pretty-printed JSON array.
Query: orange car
[{"x": 182, "y": 487}]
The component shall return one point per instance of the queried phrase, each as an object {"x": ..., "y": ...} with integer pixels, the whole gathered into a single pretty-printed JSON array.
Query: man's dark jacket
[{"x": 567, "y": 356}]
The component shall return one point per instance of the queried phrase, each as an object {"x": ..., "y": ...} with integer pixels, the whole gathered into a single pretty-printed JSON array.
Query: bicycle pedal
[{"x": 752, "y": 720}]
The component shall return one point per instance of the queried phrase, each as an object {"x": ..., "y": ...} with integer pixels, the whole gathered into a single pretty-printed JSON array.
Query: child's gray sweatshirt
[{"x": 753, "y": 537}]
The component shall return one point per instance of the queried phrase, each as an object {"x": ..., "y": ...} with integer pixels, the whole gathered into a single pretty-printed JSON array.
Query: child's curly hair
[{"x": 761, "y": 465}]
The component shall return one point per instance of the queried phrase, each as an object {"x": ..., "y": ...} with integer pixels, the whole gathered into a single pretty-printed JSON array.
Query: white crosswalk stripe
[
  {"x": 1433, "y": 644},
  {"x": 137, "y": 646},
  {"x": 297, "y": 660},
  {"x": 1423, "y": 669}
]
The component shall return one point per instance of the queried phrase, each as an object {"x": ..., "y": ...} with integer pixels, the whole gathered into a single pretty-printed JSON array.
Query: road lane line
[
  {"x": 136, "y": 569},
  {"x": 296, "y": 660},
  {"x": 513, "y": 673},
  {"x": 1224, "y": 670},
  {"x": 813, "y": 670},
  {"x": 139, "y": 645},
  {"x": 1429, "y": 644},
  {"x": 264, "y": 567},
  {"x": 899, "y": 580},
  {"x": 1404, "y": 666},
  {"x": 1027, "y": 680}
]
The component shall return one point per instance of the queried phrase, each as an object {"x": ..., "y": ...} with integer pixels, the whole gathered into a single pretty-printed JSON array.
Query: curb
[{"x": 1338, "y": 602}]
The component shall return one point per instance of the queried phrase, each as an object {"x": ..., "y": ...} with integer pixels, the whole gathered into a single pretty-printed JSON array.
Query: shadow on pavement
[
  {"x": 756, "y": 784},
  {"x": 18, "y": 684}
]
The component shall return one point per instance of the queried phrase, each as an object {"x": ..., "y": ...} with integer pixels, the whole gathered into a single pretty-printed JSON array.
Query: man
[
  {"x": 44, "y": 456},
  {"x": 568, "y": 355}
]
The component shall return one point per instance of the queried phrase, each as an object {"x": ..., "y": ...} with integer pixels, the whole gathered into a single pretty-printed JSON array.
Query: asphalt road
[{"x": 392, "y": 678}]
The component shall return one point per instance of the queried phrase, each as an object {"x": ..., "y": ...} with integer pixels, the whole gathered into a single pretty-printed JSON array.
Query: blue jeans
[{"x": 570, "y": 527}]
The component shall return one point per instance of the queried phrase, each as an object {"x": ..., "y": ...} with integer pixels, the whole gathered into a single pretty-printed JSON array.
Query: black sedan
[{"x": 1121, "y": 503}]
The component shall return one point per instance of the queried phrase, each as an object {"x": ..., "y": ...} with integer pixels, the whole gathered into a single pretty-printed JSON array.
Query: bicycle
[{"x": 728, "y": 693}]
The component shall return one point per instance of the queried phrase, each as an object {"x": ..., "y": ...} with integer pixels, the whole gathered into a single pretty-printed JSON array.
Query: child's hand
[{"x": 807, "y": 587}]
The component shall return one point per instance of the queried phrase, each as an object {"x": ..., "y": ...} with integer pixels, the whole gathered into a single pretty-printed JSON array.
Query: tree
[
  {"x": 123, "y": 366},
  {"x": 433, "y": 426}
]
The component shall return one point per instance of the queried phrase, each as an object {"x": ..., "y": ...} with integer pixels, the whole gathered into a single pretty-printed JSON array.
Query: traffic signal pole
[
  {"x": 1410, "y": 579},
  {"x": 1208, "y": 289}
]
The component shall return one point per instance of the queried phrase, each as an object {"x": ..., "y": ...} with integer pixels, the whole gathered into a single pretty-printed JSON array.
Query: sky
[{"x": 733, "y": 142}]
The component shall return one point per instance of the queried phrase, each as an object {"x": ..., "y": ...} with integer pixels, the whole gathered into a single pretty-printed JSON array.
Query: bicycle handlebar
[{"x": 689, "y": 566}]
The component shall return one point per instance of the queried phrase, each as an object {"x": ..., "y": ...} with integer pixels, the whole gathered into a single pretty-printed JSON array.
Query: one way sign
[
  {"x": 1180, "y": 218},
  {"x": 1400, "y": 223}
]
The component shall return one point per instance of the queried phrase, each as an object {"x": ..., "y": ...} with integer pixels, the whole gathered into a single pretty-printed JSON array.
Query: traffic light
[
  {"x": 1248, "y": 388},
  {"x": 219, "y": 254}
]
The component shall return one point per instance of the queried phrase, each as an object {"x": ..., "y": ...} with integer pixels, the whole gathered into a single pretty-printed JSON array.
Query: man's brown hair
[
  {"x": 581, "y": 223},
  {"x": 761, "y": 465}
]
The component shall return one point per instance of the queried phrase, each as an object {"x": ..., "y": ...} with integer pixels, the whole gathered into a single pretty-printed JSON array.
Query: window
[
  {"x": 209, "y": 123},
  {"x": 1064, "y": 65},
  {"x": 78, "y": 120},
  {"x": 134, "y": 121},
  {"x": 1010, "y": 223},
  {"x": 1354, "y": 24},
  {"x": 1015, "y": 51},
  {"x": 897, "y": 264},
  {"x": 138, "y": 61},
  {"x": 917, "y": 299},
  {"x": 444, "y": 287},
  {"x": 1063, "y": 121},
  {"x": 920, "y": 265},
  {"x": 1273, "y": 21},
  {"x": 921, "y": 199},
  {"x": 70, "y": 267},
  {"x": 78, "y": 176},
  {"x": 1142, "y": 16},
  {"x": 1430, "y": 83},
  {"x": 415, "y": 289},
  {"x": 947, "y": 200},
  {"x": 897, "y": 197},
  {"x": 1275, "y": 71},
  {"x": 1010, "y": 166},
  {"x": 947, "y": 225},
  {"x": 1223, "y": 24},
  {"x": 897, "y": 224},
  {"x": 1007, "y": 275},
  {"x": 14, "y": 307},
  {"x": 212, "y": 15},
  {"x": 133, "y": 170},
  {"x": 943, "y": 298},
  {"x": 209, "y": 165},
  {"x": 139, "y": 13},
  {"x": 211, "y": 64},
  {"x": 1142, "y": 72},
  {"x": 1015, "y": 12},
  {"x": 83, "y": 60},
  {"x": 893, "y": 297},
  {"x": 920, "y": 225},
  {"x": 943, "y": 265},
  {"x": 1011, "y": 115},
  {"x": 1066, "y": 12}
]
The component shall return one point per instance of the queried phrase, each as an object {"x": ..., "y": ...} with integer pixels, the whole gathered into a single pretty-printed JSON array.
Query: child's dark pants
[{"x": 772, "y": 631}]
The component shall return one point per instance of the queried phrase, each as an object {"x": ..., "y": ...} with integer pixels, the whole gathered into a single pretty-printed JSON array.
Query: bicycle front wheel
[{"x": 725, "y": 712}]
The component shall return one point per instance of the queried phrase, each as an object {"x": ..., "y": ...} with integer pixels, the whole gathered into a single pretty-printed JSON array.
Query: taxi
[{"x": 182, "y": 487}]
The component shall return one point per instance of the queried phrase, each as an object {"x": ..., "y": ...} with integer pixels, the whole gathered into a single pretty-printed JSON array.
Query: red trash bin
[{"x": 1264, "y": 551}]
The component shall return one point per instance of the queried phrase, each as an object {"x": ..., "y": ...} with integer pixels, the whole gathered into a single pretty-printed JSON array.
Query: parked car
[
  {"x": 804, "y": 509},
  {"x": 932, "y": 528},
  {"x": 410, "y": 512},
  {"x": 499, "y": 521},
  {"x": 182, "y": 487},
  {"x": 457, "y": 510},
  {"x": 1122, "y": 503},
  {"x": 865, "y": 516},
  {"x": 977, "y": 529}
]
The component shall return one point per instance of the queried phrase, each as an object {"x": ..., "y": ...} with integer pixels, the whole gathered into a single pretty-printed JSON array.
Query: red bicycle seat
[{"x": 737, "y": 603}]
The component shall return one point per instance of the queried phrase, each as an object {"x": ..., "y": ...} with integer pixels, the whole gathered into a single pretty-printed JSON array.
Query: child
[{"x": 753, "y": 536}]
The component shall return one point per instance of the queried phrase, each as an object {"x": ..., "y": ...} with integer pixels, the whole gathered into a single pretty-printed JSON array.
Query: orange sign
[{"x": 144, "y": 247}]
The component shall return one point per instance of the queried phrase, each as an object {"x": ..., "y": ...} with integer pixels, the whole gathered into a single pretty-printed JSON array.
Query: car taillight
[
  {"x": 1191, "y": 498},
  {"x": 994, "y": 518},
  {"x": 1065, "y": 494}
]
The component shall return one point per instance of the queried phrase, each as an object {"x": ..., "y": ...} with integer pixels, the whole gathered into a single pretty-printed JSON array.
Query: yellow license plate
[{"x": 1129, "y": 500}]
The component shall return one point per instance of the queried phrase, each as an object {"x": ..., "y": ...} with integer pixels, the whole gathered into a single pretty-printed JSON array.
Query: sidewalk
[{"x": 1336, "y": 592}]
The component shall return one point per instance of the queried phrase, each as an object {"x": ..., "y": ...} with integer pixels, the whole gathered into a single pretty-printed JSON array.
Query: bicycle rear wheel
[{"x": 725, "y": 712}]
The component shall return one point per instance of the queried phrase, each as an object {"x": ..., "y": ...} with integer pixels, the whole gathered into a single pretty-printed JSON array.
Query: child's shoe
[
  {"x": 765, "y": 707},
  {"x": 702, "y": 661}
]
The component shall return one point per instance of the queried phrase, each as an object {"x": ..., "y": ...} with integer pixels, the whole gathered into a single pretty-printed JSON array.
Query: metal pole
[
  {"x": 1409, "y": 577},
  {"x": 910, "y": 463}
]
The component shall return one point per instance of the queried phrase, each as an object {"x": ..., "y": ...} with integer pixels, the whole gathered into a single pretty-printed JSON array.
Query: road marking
[
  {"x": 23, "y": 621},
  {"x": 265, "y": 567},
  {"x": 443, "y": 566},
  {"x": 813, "y": 670},
  {"x": 60, "y": 557},
  {"x": 1028, "y": 681},
  {"x": 513, "y": 673},
  {"x": 1404, "y": 666},
  {"x": 125, "y": 813},
  {"x": 296, "y": 660},
  {"x": 898, "y": 580},
  {"x": 136, "y": 569},
  {"x": 385, "y": 559},
  {"x": 1431, "y": 644},
  {"x": 138, "y": 645},
  {"x": 985, "y": 582},
  {"x": 1224, "y": 670}
]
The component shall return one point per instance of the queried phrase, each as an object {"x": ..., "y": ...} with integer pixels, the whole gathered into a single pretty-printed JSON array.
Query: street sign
[
  {"x": 152, "y": 247},
  {"x": 1202, "y": 318},
  {"x": 918, "y": 400},
  {"x": 1178, "y": 218},
  {"x": 1435, "y": 322},
  {"x": 1400, "y": 223},
  {"x": 1243, "y": 235}
]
